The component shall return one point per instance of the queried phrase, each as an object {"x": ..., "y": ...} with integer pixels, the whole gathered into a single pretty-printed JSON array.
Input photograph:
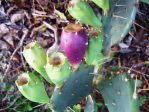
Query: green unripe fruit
[
  {"x": 36, "y": 58},
  {"x": 31, "y": 87}
]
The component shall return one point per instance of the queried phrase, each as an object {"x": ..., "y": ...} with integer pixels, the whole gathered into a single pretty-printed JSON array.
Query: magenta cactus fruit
[{"x": 74, "y": 42}]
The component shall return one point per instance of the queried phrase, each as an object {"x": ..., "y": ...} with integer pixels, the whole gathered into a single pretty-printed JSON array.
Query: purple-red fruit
[{"x": 74, "y": 42}]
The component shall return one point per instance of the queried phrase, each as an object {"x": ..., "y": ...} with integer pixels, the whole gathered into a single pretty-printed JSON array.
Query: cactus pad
[
  {"x": 84, "y": 13},
  {"x": 118, "y": 21},
  {"x": 118, "y": 93},
  {"x": 145, "y": 1},
  {"x": 93, "y": 55},
  {"x": 77, "y": 86},
  {"x": 104, "y": 4}
]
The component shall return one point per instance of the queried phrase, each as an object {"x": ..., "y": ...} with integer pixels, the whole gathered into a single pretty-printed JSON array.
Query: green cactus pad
[
  {"x": 84, "y": 13},
  {"x": 145, "y": 1},
  {"x": 118, "y": 21},
  {"x": 104, "y": 4},
  {"x": 59, "y": 70},
  {"x": 93, "y": 55},
  {"x": 31, "y": 87},
  {"x": 77, "y": 86},
  {"x": 36, "y": 58},
  {"x": 118, "y": 93}
]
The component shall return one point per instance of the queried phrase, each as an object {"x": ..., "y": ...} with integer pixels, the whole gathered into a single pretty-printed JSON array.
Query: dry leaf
[
  {"x": 3, "y": 45},
  {"x": 3, "y": 29},
  {"x": 9, "y": 39},
  {"x": 16, "y": 17}
]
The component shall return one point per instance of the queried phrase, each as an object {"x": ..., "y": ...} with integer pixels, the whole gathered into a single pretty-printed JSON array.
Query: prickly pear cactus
[
  {"x": 31, "y": 87},
  {"x": 93, "y": 55},
  {"x": 82, "y": 11},
  {"x": 36, "y": 58},
  {"x": 58, "y": 68},
  {"x": 118, "y": 21},
  {"x": 119, "y": 93},
  {"x": 77, "y": 86}
]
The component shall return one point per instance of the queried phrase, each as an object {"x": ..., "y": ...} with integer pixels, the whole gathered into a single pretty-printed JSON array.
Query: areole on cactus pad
[{"x": 74, "y": 42}]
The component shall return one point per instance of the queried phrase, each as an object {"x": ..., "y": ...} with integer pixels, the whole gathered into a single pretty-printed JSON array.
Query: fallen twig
[
  {"x": 17, "y": 48},
  {"x": 55, "y": 46}
]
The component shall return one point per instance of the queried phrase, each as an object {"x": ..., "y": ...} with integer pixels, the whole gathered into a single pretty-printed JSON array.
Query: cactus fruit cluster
[{"x": 72, "y": 68}]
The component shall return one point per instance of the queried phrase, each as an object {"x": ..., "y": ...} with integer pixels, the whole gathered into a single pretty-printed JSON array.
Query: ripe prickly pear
[
  {"x": 57, "y": 68},
  {"x": 36, "y": 58},
  {"x": 74, "y": 42},
  {"x": 31, "y": 86},
  {"x": 82, "y": 11}
]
